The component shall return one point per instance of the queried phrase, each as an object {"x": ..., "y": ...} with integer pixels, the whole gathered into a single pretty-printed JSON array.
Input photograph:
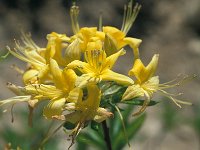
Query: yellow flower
[
  {"x": 32, "y": 54},
  {"x": 64, "y": 81},
  {"x": 55, "y": 46},
  {"x": 115, "y": 39},
  {"x": 85, "y": 35},
  {"x": 98, "y": 67},
  {"x": 146, "y": 84},
  {"x": 86, "y": 108},
  {"x": 38, "y": 58},
  {"x": 112, "y": 39}
]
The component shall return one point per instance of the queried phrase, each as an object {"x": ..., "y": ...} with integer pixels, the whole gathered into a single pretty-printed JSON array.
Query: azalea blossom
[
  {"x": 147, "y": 84},
  {"x": 98, "y": 67},
  {"x": 74, "y": 74}
]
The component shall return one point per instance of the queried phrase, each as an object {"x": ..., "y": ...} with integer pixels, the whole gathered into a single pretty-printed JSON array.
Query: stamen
[
  {"x": 179, "y": 81},
  {"x": 74, "y": 11},
  {"x": 130, "y": 14},
  {"x": 171, "y": 94},
  {"x": 16, "y": 68},
  {"x": 28, "y": 42},
  {"x": 183, "y": 102},
  {"x": 176, "y": 101},
  {"x": 100, "y": 22}
]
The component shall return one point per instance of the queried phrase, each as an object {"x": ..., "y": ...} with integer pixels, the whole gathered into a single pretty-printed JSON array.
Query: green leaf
[
  {"x": 115, "y": 122},
  {"x": 95, "y": 125},
  {"x": 69, "y": 126},
  {"x": 91, "y": 137},
  {"x": 119, "y": 142},
  {"x": 138, "y": 102}
]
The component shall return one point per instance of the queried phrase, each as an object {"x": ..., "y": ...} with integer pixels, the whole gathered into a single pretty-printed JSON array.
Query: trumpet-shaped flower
[
  {"x": 38, "y": 58},
  {"x": 86, "y": 108},
  {"x": 98, "y": 67},
  {"x": 32, "y": 54},
  {"x": 64, "y": 81},
  {"x": 146, "y": 84},
  {"x": 115, "y": 39},
  {"x": 56, "y": 44}
]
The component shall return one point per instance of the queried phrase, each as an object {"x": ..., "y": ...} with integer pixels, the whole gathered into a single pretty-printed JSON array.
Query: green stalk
[{"x": 106, "y": 135}]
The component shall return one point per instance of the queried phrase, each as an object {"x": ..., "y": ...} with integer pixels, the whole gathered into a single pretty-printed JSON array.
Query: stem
[
  {"x": 49, "y": 135},
  {"x": 106, "y": 135}
]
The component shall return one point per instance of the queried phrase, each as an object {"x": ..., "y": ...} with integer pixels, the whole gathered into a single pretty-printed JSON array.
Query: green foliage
[
  {"x": 68, "y": 125},
  {"x": 27, "y": 137},
  {"x": 111, "y": 96},
  {"x": 169, "y": 116},
  {"x": 140, "y": 102},
  {"x": 94, "y": 136},
  {"x": 196, "y": 122}
]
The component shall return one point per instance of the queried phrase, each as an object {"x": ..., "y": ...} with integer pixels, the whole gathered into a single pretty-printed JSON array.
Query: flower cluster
[{"x": 71, "y": 72}]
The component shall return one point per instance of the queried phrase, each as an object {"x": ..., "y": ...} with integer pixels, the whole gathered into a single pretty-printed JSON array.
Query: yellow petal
[
  {"x": 102, "y": 114},
  {"x": 132, "y": 91},
  {"x": 57, "y": 74},
  {"x": 75, "y": 95},
  {"x": 86, "y": 33},
  {"x": 116, "y": 34},
  {"x": 100, "y": 35},
  {"x": 44, "y": 92},
  {"x": 15, "y": 100},
  {"x": 139, "y": 71},
  {"x": 82, "y": 66},
  {"x": 54, "y": 108},
  {"x": 54, "y": 35},
  {"x": 143, "y": 73},
  {"x": 69, "y": 78},
  {"x": 18, "y": 90},
  {"x": 94, "y": 45},
  {"x": 55, "y": 48},
  {"x": 90, "y": 105},
  {"x": 73, "y": 51},
  {"x": 109, "y": 75},
  {"x": 94, "y": 93},
  {"x": 151, "y": 86},
  {"x": 43, "y": 74},
  {"x": 30, "y": 76},
  {"x": 83, "y": 80},
  {"x": 134, "y": 44},
  {"x": 152, "y": 66},
  {"x": 110, "y": 61}
]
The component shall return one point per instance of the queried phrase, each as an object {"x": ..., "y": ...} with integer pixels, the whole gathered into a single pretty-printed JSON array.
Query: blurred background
[{"x": 170, "y": 28}]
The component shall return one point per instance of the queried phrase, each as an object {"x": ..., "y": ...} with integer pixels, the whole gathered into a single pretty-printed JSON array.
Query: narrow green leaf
[
  {"x": 138, "y": 102},
  {"x": 69, "y": 125},
  {"x": 115, "y": 123},
  {"x": 91, "y": 137},
  {"x": 119, "y": 142},
  {"x": 95, "y": 125}
]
